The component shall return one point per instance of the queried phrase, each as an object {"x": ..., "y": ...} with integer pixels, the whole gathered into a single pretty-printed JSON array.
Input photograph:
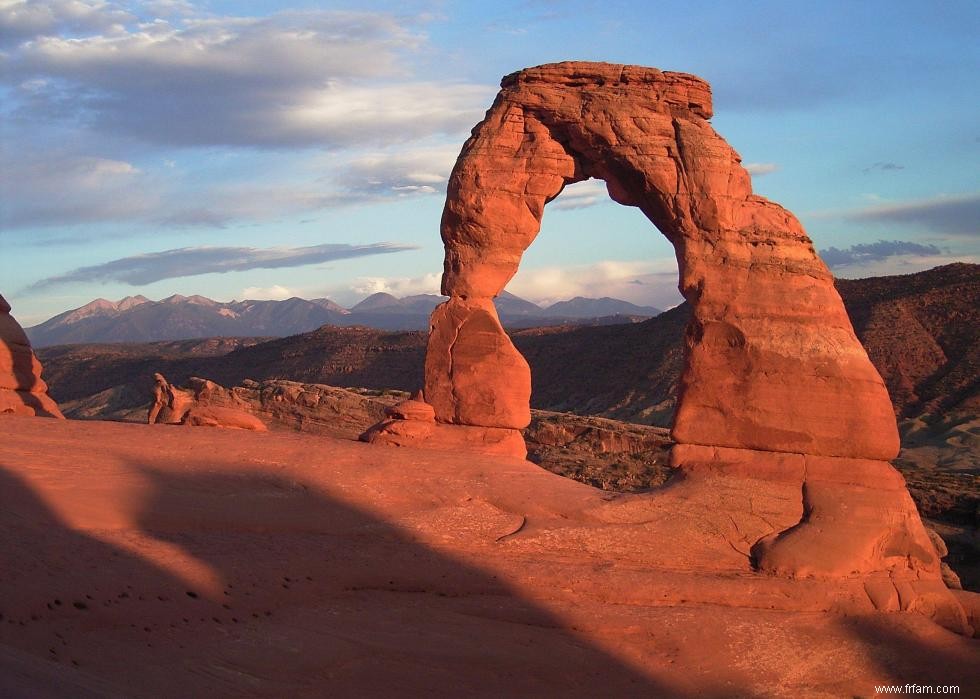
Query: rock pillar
[{"x": 22, "y": 391}]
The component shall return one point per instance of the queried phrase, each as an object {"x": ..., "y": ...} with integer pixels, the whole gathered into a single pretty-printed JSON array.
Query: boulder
[
  {"x": 499, "y": 441},
  {"x": 412, "y": 423},
  {"x": 217, "y": 416},
  {"x": 414, "y": 408}
]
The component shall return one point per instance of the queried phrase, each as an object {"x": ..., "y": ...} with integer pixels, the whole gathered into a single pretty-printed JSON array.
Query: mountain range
[
  {"x": 138, "y": 319},
  {"x": 922, "y": 332}
]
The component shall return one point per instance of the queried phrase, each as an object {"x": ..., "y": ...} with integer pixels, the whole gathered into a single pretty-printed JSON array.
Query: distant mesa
[
  {"x": 178, "y": 317},
  {"x": 382, "y": 302},
  {"x": 130, "y": 302},
  {"x": 509, "y": 305},
  {"x": 22, "y": 390},
  {"x": 375, "y": 302}
]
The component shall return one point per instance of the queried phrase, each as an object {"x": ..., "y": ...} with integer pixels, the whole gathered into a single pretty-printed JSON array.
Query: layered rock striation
[{"x": 22, "y": 390}]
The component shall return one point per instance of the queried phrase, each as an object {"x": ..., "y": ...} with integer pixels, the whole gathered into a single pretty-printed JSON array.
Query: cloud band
[{"x": 140, "y": 270}]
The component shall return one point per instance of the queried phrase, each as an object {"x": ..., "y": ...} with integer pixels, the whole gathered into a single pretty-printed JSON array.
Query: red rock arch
[
  {"x": 772, "y": 360},
  {"x": 776, "y": 394}
]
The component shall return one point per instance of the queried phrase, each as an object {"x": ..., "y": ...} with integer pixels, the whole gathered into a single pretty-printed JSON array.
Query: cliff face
[{"x": 923, "y": 333}]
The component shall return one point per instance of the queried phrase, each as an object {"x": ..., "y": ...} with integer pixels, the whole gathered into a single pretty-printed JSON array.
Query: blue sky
[{"x": 267, "y": 149}]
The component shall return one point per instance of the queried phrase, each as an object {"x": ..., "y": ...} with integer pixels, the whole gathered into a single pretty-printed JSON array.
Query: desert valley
[{"x": 771, "y": 489}]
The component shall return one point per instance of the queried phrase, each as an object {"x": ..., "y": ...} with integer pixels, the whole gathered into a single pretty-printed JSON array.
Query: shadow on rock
[
  {"x": 356, "y": 605},
  {"x": 908, "y": 649},
  {"x": 314, "y": 596}
]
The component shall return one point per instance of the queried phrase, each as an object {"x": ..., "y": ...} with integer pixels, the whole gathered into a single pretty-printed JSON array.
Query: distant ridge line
[{"x": 178, "y": 317}]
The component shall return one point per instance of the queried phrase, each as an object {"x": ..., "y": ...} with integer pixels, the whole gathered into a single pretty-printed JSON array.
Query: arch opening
[{"x": 600, "y": 251}]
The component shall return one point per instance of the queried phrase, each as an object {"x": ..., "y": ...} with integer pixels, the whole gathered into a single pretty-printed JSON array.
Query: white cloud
[
  {"x": 760, "y": 169},
  {"x": 330, "y": 182},
  {"x": 167, "y": 8},
  {"x": 648, "y": 282},
  {"x": 946, "y": 215},
  {"x": 292, "y": 79},
  {"x": 95, "y": 79},
  {"x": 901, "y": 264},
  {"x": 269, "y": 293},
  {"x": 396, "y": 286},
  {"x": 139, "y": 270},
  {"x": 386, "y": 113},
  {"x": 222, "y": 205},
  {"x": 581, "y": 195},
  {"x": 864, "y": 254},
  {"x": 65, "y": 189},
  {"x": 24, "y": 19},
  {"x": 400, "y": 173}
]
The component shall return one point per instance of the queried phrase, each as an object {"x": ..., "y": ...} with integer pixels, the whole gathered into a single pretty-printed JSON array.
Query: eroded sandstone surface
[
  {"x": 22, "y": 390},
  {"x": 153, "y": 561}
]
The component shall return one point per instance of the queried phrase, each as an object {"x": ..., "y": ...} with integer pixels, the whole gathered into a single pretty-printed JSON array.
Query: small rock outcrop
[
  {"x": 413, "y": 423},
  {"x": 217, "y": 416},
  {"x": 170, "y": 403},
  {"x": 197, "y": 406},
  {"x": 302, "y": 407},
  {"x": 22, "y": 390}
]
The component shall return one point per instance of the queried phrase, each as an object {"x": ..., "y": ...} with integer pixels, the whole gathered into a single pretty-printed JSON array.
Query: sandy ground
[{"x": 166, "y": 561}]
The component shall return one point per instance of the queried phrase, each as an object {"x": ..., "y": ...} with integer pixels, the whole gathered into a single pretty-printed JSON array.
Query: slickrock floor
[{"x": 166, "y": 561}]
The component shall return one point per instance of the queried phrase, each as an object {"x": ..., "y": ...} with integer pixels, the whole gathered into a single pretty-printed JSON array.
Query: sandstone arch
[
  {"x": 772, "y": 352},
  {"x": 776, "y": 389}
]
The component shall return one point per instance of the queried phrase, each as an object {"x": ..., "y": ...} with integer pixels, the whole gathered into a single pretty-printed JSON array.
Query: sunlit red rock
[
  {"x": 218, "y": 416},
  {"x": 286, "y": 564},
  {"x": 775, "y": 386},
  {"x": 773, "y": 362},
  {"x": 22, "y": 390},
  {"x": 412, "y": 423},
  {"x": 474, "y": 375}
]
